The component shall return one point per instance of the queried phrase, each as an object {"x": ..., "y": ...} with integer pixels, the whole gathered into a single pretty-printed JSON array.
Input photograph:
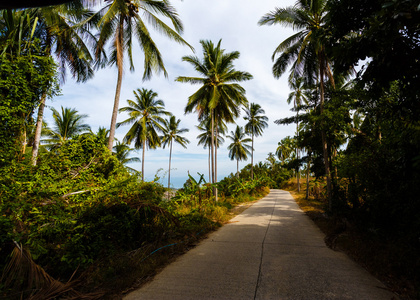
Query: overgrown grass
[
  {"x": 79, "y": 214},
  {"x": 393, "y": 260}
]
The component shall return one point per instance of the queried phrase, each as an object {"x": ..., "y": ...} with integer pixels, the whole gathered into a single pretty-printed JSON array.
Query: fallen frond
[{"x": 23, "y": 274}]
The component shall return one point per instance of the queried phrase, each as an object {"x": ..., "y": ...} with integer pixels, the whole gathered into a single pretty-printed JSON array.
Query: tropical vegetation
[
  {"x": 239, "y": 149},
  {"x": 146, "y": 116},
  {"x": 255, "y": 126},
  {"x": 220, "y": 96},
  {"x": 71, "y": 208},
  {"x": 172, "y": 133},
  {"x": 123, "y": 21}
]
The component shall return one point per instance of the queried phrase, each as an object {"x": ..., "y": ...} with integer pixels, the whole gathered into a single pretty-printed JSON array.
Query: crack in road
[{"x": 262, "y": 251}]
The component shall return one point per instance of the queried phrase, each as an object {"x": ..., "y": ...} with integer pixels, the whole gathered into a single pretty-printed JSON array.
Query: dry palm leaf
[{"x": 24, "y": 275}]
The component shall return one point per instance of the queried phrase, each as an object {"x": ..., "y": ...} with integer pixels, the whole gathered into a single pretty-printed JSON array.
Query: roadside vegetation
[
  {"x": 81, "y": 214},
  {"x": 391, "y": 258}
]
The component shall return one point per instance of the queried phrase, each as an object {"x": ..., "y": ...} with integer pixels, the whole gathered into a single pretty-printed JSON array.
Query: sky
[{"x": 233, "y": 21}]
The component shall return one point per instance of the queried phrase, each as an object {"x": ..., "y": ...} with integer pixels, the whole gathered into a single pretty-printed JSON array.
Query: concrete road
[{"x": 270, "y": 251}]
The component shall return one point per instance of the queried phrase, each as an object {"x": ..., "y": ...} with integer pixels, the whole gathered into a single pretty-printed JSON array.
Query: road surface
[{"x": 270, "y": 251}]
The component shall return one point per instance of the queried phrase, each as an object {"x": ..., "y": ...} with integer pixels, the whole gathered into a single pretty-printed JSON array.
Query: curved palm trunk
[
  {"x": 38, "y": 129},
  {"x": 169, "y": 172},
  {"x": 142, "y": 161},
  {"x": 40, "y": 117},
  {"x": 115, "y": 111},
  {"x": 119, "y": 47}
]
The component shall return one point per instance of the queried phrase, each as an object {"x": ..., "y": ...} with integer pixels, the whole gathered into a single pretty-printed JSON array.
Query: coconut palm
[
  {"x": 255, "y": 126},
  {"x": 145, "y": 114},
  {"x": 17, "y": 31},
  {"x": 171, "y": 134},
  {"x": 299, "y": 96},
  {"x": 26, "y": 3},
  {"x": 61, "y": 35},
  {"x": 122, "y": 21},
  {"x": 101, "y": 135},
  {"x": 285, "y": 149},
  {"x": 205, "y": 137},
  {"x": 306, "y": 50},
  {"x": 67, "y": 124},
  {"x": 220, "y": 95},
  {"x": 239, "y": 148},
  {"x": 122, "y": 152}
]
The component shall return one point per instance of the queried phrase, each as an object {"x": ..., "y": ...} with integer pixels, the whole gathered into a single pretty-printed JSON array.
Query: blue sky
[{"x": 233, "y": 21}]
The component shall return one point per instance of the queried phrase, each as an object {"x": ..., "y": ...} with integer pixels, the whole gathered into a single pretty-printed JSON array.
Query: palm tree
[
  {"x": 59, "y": 30},
  {"x": 205, "y": 137},
  {"x": 255, "y": 126},
  {"x": 26, "y": 3},
  {"x": 239, "y": 148},
  {"x": 306, "y": 50},
  {"x": 67, "y": 124},
  {"x": 145, "y": 115},
  {"x": 285, "y": 149},
  {"x": 171, "y": 134},
  {"x": 298, "y": 95},
  {"x": 220, "y": 95},
  {"x": 122, "y": 152},
  {"x": 101, "y": 135},
  {"x": 16, "y": 31},
  {"x": 120, "y": 22}
]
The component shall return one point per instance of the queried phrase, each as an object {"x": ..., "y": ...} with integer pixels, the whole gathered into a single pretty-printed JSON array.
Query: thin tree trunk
[
  {"x": 209, "y": 165},
  {"x": 237, "y": 168},
  {"x": 297, "y": 148},
  {"x": 169, "y": 172},
  {"x": 324, "y": 140},
  {"x": 119, "y": 47},
  {"x": 308, "y": 167},
  {"x": 216, "y": 145},
  {"x": 23, "y": 140},
  {"x": 252, "y": 157},
  {"x": 38, "y": 129},
  {"x": 115, "y": 111},
  {"x": 142, "y": 161},
  {"x": 212, "y": 152},
  {"x": 335, "y": 167}
]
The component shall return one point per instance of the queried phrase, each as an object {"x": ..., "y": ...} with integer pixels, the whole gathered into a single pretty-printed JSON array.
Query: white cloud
[{"x": 233, "y": 21}]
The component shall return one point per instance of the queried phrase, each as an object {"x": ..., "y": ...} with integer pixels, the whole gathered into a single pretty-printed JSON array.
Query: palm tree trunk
[
  {"x": 216, "y": 145},
  {"x": 142, "y": 161},
  {"x": 308, "y": 167},
  {"x": 324, "y": 138},
  {"x": 38, "y": 129},
  {"x": 252, "y": 157},
  {"x": 115, "y": 111},
  {"x": 237, "y": 168},
  {"x": 297, "y": 149},
  {"x": 212, "y": 152},
  {"x": 169, "y": 171},
  {"x": 209, "y": 164},
  {"x": 119, "y": 47}
]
